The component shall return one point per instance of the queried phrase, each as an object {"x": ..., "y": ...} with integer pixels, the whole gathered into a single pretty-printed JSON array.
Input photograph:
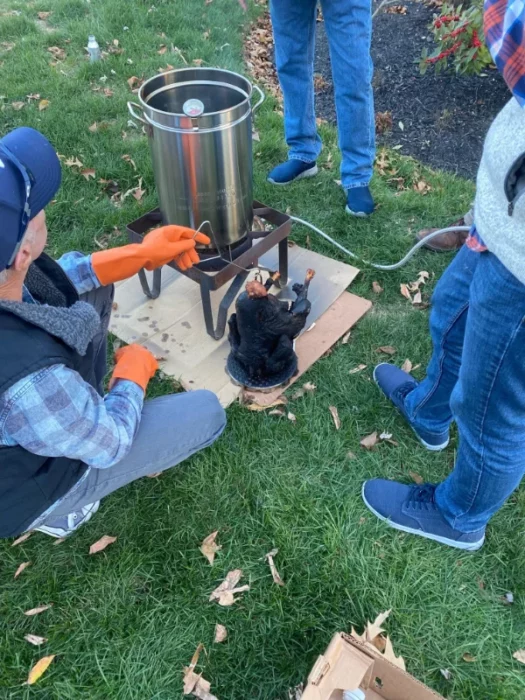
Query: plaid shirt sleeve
[
  {"x": 80, "y": 271},
  {"x": 55, "y": 413}
]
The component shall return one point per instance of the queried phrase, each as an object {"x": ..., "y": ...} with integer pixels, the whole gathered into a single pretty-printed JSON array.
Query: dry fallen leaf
[
  {"x": 406, "y": 366},
  {"x": 508, "y": 598},
  {"x": 351, "y": 455},
  {"x": 417, "y": 478},
  {"x": 138, "y": 192},
  {"x": 335, "y": 415},
  {"x": 57, "y": 52},
  {"x": 17, "y": 106},
  {"x": 389, "y": 654},
  {"x": 37, "y": 611},
  {"x": 445, "y": 673},
  {"x": 277, "y": 412},
  {"x": 101, "y": 544},
  {"x": 88, "y": 173},
  {"x": 281, "y": 401},
  {"x": 468, "y": 657},
  {"x": 93, "y": 127},
  {"x": 22, "y": 566},
  {"x": 417, "y": 298},
  {"x": 275, "y": 574},
  {"x": 43, "y": 104},
  {"x": 44, "y": 15},
  {"x": 134, "y": 82},
  {"x": 220, "y": 633},
  {"x": 209, "y": 547},
  {"x": 387, "y": 350},
  {"x": 376, "y": 288},
  {"x": 35, "y": 640},
  {"x": 22, "y": 538},
  {"x": 372, "y": 638},
  {"x": 519, "y": 656},
  {"x": 59, "y": 541},
  {"x": 346, "y": 338},
  {"x": 256, "y": 135},
  {"x": 225, "y": 593},
  {"x": 291, "y": 417},
  {"x": 162, "y": 50},
  {"x": 373, "y": 629},
  {"x": 404, "y": 291},
  {"x": 357, "y": 369},
  {"x": 129, "y": 160},
  {"x": 39, "y": 669},
  {"x": 370, "y": 441},
  {"x": 73, "y": 162}
]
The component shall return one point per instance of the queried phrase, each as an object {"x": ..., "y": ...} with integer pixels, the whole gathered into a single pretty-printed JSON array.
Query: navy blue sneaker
[
  {"x": 413, "y": 509},
  {"x": 396, "y": 385},
  {"x": 292, "y": 170},
  {"x": 359, "y": 201}
]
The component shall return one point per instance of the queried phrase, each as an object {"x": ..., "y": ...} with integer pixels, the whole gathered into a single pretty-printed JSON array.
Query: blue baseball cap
[{"x": 30, "y": 176}]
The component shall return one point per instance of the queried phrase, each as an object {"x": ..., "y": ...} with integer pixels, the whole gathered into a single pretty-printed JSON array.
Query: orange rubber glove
[
  {"x": 136, "y": 363},
  {"x": 159, "y": 247}
]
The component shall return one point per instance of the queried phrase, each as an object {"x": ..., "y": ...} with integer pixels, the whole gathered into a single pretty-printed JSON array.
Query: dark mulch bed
[{"x": 445, "y": 117}]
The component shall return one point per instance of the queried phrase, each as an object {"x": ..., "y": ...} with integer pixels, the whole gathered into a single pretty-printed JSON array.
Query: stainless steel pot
[{"x": 200, "y": 133}]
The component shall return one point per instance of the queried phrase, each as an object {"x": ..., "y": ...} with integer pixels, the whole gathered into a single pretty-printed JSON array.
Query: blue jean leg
[
  {"x": 293, "y": 24},
  {"x": 428, "y": 406},
  {"x": 349, "y": 29},
  {"x": 488, "y": 402}
]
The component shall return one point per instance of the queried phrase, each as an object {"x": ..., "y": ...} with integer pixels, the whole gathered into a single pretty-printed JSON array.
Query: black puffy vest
[{"x": 30, "y": 484}]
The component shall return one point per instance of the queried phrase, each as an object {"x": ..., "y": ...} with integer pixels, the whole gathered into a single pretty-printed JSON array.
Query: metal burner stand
[{"x": 211, "y": 281}]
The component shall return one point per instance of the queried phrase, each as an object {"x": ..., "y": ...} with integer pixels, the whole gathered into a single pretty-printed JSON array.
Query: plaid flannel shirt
[
  {"x": 54, "y": 412},
  {"x": 505, "y": 36}
]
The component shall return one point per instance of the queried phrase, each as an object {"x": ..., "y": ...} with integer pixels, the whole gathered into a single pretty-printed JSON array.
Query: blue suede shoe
[
  {"x": 359, "y": 201},
  {"x": 395, "y": 385},
  {"x": 413, "y": 509},
  {"x": 292, "y": 170}
]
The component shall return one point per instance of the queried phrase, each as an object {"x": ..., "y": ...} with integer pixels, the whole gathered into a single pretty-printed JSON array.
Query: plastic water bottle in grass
[
  {"x": 93, "y": 49},
  {"x": 354, "y": 695}
]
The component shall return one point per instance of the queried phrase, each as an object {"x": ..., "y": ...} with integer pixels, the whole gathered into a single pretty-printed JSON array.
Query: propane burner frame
[{"x": 237, "y": 269}]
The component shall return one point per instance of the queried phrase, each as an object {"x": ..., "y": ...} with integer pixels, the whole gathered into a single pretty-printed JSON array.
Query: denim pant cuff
[
  {"x": 356, "y": 184},
  {"x": 303, "y": 160}
]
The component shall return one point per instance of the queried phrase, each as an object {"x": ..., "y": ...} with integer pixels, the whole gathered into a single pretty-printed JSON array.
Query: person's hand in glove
[
  {"x": 159, "y": 247},
  {"x": 135, "y": 363}
]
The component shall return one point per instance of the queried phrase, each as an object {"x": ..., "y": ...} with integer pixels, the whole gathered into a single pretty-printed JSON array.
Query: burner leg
[
  {"x": 222, "y": 317},
  {"x": 157, "y": 277},
  {"x": 283, "y": 263}
]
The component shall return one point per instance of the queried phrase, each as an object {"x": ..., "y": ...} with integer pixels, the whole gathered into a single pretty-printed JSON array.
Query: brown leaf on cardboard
[
  {"x": 275, "y": 574},
  {"x": 370, "y": 441},
  {"x": 22, "y": 538},
  {"x": 22, "y": 566},
  {"x": 39, "y": 669},
  {"x": 35, "y": 640},
  {"x": 335, "y": 415},
  {"x": 225, "y": 593},
  {"x": 43, "y": 104},
  {"x": 388, "y": 653},
  {"x": 519, "y": 656},
  {"x": 101, "y": 544},
  {"x": 220, "y": 634},
  {"x": 417, "y": 478},
  {"x": 210, "y": 548},
  {"x": 387, "y": 349},
  {"x": 88, "y": 173},
  {"x": 37, "y": 611},
  {"x": 377, "y": 288},
  {"x": 404, "y": 291},
  {"x": 373, "y": 629},
  {"x": 468, "y": 657}
]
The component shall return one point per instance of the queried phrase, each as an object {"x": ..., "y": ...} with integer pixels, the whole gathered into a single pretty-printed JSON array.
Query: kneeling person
[{"x": 63, "y": 444}]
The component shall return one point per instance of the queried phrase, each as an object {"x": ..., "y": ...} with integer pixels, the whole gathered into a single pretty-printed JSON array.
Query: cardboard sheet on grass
[
  {"x": 172, "y": 326},
  {"x": 348, "y": 664}
]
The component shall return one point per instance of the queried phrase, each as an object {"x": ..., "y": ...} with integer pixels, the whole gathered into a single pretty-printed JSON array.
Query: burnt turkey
[{"x": 263, "y": 328}]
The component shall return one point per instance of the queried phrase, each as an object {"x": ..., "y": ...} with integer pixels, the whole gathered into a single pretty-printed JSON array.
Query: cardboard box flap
[{"x": 347, "y": 664}]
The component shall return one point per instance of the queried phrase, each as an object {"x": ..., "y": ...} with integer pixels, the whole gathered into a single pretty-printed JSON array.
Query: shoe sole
[
  {"x": 465, "y": 546},
  {"x": 358, "y": 214},
  {"x": 58, "y": 533},
  {"x": 306, "y": 173},
  {"x": 426, "y": 445}
]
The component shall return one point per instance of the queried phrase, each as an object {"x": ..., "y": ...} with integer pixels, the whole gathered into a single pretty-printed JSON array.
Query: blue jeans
[
  {"x": 476, "y": 377},
  {"x": 349, "y": 29}
]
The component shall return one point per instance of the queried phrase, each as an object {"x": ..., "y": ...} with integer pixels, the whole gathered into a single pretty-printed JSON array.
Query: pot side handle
[
  {"x": 131, "y": 108},
  {"x": 261, "y": 99}
]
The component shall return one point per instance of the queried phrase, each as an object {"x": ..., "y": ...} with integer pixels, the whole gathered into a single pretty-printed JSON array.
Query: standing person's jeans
[
  {"x": 476, "y": 377},
  {"x": 349, "y": 28},
  {"x": 172, "y": 428}
]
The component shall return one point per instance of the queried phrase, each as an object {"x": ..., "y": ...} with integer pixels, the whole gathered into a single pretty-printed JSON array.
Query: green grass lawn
[{"x": 124, "y": 622}]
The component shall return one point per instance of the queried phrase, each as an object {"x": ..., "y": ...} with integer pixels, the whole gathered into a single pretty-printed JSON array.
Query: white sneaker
[{"x": 66, "y": 525}]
